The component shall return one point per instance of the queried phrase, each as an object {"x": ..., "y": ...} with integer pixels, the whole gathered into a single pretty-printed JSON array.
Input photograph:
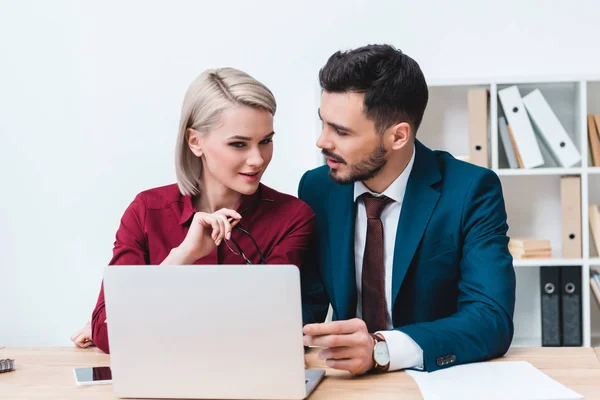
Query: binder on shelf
[
  {"x": 550, "y": 306},
  {"x": 594, "y": 217},
  {"x": 551, "y": 130},
  {"x": 522, "y": 130},
  {"x": 507, "y": 143},
  {"x": 594, "y": 140},
  {"x": 595, "y": 286},
  {"x": 477, "y": 106},
  {"x": 514, "y": 144},
  {"x": 570, "y": 197},
  {"x": 572, "y": 334},
  {"x": 597, "y": 129}
]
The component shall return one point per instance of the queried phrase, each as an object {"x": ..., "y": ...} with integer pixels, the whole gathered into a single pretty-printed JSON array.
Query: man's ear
[
  {"x": 402, "y": 133},
  {"x": 194, "y": 142}
]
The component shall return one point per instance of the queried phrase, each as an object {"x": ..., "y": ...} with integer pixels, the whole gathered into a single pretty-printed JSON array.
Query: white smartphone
[{"x": 93, "y": 376}]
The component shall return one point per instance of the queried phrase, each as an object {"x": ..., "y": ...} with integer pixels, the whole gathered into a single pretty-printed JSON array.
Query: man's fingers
[
  {"x": 338, "y": 353},
  {"x": 332, "y": 340},
  {"x": 351, "y": 365},
  {"x": 333, "y": 328}
]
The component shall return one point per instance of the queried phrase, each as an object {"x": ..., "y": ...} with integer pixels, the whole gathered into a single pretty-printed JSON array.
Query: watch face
[{"x": 381, "y": 353}]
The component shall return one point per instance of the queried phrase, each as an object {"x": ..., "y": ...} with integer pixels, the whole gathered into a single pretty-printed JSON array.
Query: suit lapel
[
  {"x": 419, "y": 202},
  {"x": 341, "y": 249}
]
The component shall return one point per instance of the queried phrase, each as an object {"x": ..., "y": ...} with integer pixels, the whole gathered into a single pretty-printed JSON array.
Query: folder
[
  {"x": 570, "y": 196},
  {"x": 506, "y": 142},
  {"x": 594, "y": 140},
  {"x": 551, "y": 309},
  {"x": 514, "y": 145},
  {"x": 571, "y": 306},
  {"x": 517, "y": 118},
  {"x": 594, "y": 217},
  {"x": 551, "y": 130},
  {"x": 477, "y": 108},
  {"x": 595, "y": 286}
]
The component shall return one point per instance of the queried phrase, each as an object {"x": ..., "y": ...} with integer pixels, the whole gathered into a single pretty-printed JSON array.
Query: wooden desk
[{"x": 48, "y": 373}]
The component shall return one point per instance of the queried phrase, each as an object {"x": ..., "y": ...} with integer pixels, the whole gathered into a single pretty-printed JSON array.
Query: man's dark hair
[{"x": 393, "y": 83}]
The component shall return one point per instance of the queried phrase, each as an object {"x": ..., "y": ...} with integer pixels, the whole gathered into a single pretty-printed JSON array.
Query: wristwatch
[{"x": 381, "y": 353}]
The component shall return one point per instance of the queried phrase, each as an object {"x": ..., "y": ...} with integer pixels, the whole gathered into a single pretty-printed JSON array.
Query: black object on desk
[{"x": 7, "y": 365}]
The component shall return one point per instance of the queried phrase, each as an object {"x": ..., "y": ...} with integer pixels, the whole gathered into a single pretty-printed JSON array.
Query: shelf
[
  {"x": 533, "y": 203},
  {"x": 539, "y": 171},
  {"x": 548, "y": 262}
]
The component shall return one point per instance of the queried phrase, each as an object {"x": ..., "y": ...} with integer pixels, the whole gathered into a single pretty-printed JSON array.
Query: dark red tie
[{"x": 374, "y": 307}]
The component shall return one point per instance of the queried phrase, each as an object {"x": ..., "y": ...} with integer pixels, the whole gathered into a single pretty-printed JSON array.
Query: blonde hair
[{"x": 210, "y": 93}]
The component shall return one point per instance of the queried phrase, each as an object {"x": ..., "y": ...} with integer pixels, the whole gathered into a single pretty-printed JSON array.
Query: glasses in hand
[{"x": 237, "y": 250}]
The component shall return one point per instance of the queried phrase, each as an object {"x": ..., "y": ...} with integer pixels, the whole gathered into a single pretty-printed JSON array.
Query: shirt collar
[
  {"x": 397, "y": 188},
  {"x": 247, "y": 205}
]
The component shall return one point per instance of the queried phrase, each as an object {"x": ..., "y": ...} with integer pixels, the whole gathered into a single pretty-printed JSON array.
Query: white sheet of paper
[{"x": 515, "y": 380}]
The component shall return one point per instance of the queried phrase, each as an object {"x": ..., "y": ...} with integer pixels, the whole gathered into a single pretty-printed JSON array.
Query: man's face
[{"x": 349, "y": 141}]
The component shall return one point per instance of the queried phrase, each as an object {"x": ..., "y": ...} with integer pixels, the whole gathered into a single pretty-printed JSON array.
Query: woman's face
[{"x": 236, "y": 153}]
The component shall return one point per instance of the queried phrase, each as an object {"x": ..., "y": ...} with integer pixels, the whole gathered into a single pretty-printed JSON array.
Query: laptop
[{"x": 207, "y": 331}]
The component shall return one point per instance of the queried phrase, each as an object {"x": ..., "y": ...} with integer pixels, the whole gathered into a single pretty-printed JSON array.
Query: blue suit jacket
[{"x": 453, "y": 282}]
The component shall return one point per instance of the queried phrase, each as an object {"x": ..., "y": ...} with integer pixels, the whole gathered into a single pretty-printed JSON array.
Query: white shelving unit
[{"x": 532, "y": 196}]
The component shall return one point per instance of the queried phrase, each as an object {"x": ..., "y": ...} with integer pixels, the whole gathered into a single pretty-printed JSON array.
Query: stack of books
[{"x": 530, "y": 248}]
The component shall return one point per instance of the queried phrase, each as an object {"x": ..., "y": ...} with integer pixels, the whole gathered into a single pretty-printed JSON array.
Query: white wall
[{"x": 90, "y": 96}]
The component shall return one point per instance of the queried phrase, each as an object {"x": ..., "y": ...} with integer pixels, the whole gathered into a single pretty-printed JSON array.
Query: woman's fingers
[
  {"x": 221, "y": 222},
  {"x": 80, "y": 340},
  {"x": 222, "y": 230},
  {"x": 76, "y": 335},
  {"x": 227, "y": 212},
  {"x": 226, "y": 226},
  {"x": 216, "y": 229}
]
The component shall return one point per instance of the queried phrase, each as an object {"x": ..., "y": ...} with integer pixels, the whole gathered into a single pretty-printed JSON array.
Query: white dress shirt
[{"x": 404, "y": 352}]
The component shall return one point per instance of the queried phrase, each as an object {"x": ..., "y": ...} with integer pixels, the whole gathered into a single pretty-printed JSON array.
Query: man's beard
[{"x": 365, "y": 169}]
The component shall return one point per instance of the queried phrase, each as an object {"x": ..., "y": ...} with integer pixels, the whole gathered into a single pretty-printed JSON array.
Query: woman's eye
[
  {"x": 267, "y": 141},
  {"x": 237, "y": 145}
]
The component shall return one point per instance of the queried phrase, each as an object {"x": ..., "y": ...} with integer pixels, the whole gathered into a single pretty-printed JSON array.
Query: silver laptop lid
[{"x": 205, "y": 331}]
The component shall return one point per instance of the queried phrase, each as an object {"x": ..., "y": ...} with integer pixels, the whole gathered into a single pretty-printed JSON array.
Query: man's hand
[{"x": 348, "y": 344}]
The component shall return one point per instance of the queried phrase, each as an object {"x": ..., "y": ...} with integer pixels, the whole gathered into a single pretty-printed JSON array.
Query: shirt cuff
[{"x": 404, "y": 351}]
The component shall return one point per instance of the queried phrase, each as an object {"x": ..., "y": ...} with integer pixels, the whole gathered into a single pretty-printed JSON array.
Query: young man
[{"x": 412, "y": 250}]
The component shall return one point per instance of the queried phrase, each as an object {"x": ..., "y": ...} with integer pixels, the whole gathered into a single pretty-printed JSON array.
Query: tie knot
[{"x": 375, "y": 205}]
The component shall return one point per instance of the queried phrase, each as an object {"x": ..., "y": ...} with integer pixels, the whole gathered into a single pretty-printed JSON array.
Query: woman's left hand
[{"x": 83, "y": 337}]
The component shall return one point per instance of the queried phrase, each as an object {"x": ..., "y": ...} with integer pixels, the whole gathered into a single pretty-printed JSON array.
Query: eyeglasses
[{"x": 239, "y": 252}]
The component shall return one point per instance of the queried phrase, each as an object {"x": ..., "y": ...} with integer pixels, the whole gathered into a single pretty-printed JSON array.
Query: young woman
[{"x": 218, "y": 212}]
